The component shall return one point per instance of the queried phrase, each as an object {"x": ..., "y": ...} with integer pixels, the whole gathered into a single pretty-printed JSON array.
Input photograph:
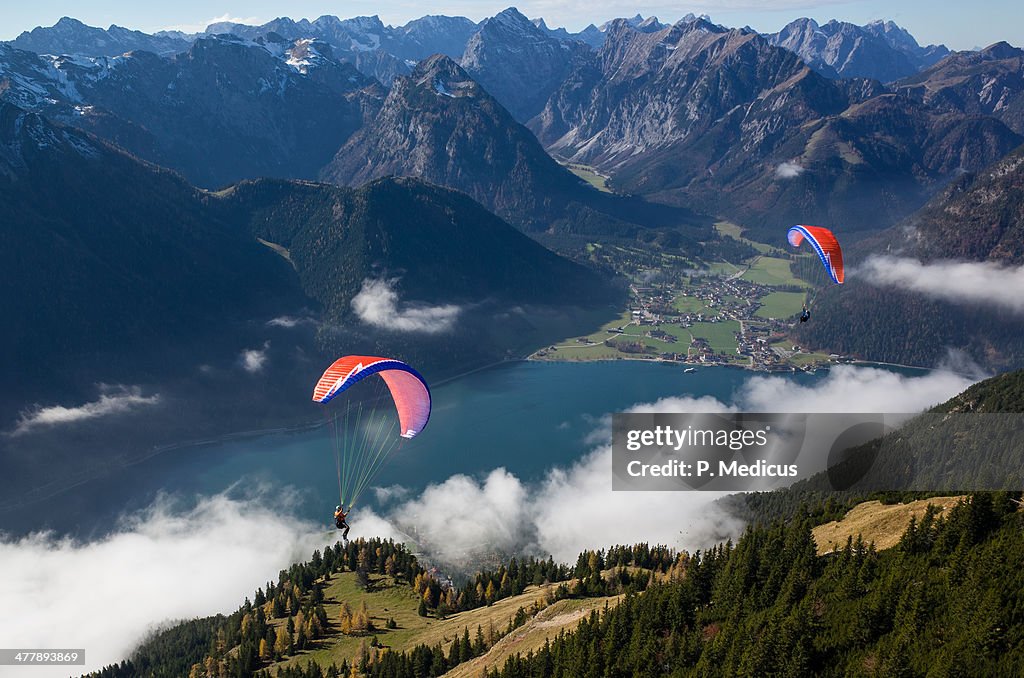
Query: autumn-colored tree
[
  {"x": 346, "y": 618},
  {"x": 490, "y": 593},
  {"x": 426, "y": 597},
  {"x": 282, "y": 643},
  {"x": 361, "y": 619}
]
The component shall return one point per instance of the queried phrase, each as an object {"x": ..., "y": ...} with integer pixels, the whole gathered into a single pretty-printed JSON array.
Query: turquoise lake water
[{"x": 524, "y": 416}]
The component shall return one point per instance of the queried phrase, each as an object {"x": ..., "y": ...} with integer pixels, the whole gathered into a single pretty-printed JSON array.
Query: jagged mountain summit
[
  {"x": 880, "y": 50},
  {"x": 900, "y": 38},
  {"x": 518, "y": 63},
  {"x": 591, "y": 35},
  {"x": 644, "y": 25}
]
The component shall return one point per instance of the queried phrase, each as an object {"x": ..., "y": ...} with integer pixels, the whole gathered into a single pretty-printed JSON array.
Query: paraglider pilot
[
  {"x": 805, "y": 315},
  {"x": 339, "y": 521}
]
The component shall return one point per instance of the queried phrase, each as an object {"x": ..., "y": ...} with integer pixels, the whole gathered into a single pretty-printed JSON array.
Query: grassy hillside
[
  {"x": 542, "y": 628},
  {"x": 387, "y": 599},
  {"x": 876, "y": 523}
]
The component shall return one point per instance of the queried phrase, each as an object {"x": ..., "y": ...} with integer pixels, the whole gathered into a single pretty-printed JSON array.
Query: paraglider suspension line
[{"x": 363, "y": 440}]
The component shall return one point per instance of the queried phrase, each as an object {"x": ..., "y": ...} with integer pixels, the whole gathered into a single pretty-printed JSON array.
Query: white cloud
[
  {"x": 847, "y": 388},
  {"x": 253, "y": 360},
  {"x": 162, "y": 564},
  {"x": 462, "y": 520},
  {"x": 788, "y": 170},
  {"x": 576, "y": 509},
  {"x": 377, "y": 304},
  {"x": 288, "y": 321},
  {"x": 390, "y": 493},
  {"x": 114, "y": 400},
  {"x": 984, "y": 283},
  {"x": 855, "y": 389},
  {"x": 461, "y": 516}
]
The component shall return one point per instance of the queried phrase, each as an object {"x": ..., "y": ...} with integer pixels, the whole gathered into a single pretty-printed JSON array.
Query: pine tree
[
  {"x": 455, "y": 652},
  {"x": 479, "y": 645},
  {"x": 438, "y": 665},
  {"x": 465, "y": 647}
]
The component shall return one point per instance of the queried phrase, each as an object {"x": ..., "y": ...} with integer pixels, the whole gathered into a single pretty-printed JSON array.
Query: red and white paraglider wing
[
  {"x": 825, "y": 246},
  {"x": 408, "y": 389}
]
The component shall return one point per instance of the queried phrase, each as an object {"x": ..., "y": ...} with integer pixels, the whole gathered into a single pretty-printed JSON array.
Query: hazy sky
[{"x": 960, "y": 25}]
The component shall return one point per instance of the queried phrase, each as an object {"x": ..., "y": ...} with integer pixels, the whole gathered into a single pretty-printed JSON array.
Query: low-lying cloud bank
[
  {"x": 113, "y": 400},
  {"x": 984, "y": 283},
  {"x": 377, "y": 304},
  {"x": 163, "y": 564}
]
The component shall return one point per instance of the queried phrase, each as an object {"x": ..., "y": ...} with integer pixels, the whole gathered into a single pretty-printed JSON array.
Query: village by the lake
[{"x": 707, "y": 312}]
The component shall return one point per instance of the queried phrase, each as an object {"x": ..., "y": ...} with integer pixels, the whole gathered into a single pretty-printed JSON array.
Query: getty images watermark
[{"x": 863, "y": 452}]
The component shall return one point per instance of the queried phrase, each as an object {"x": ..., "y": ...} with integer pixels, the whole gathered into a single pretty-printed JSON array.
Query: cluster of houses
[{"x": 723, "y": 299}]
